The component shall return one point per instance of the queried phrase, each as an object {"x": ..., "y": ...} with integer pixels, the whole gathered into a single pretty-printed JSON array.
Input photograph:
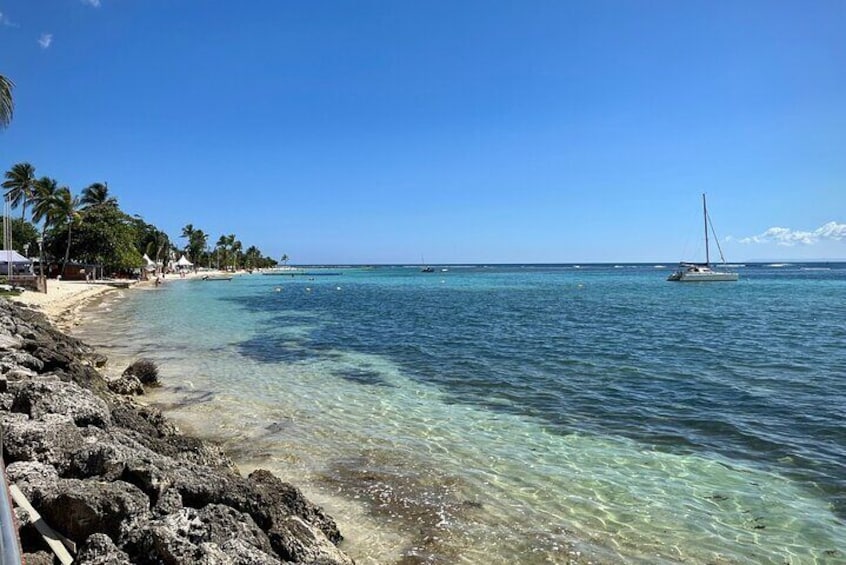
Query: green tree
[
  {"x": 236, "y": 252},
  {"x": 42, "y": 209},
  {"x": 197, "y": 241},
  {"x": 97, "y": 194},
  {"x": 25, "y": 237},
  {"x": 108, "y": 237},
  {"x": 67, "y": 209},
  {"x": 20, "y": 185},
  {"x": 7, "y": 105},
  {"x": 222, "y": 248},
  {"x": 252, "y": 257}
]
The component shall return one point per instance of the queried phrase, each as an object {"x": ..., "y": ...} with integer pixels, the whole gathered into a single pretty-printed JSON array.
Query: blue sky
[{"x": 481, "y": 131}]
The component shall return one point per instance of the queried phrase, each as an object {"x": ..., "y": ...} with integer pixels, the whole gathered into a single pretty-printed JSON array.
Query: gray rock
[
  {"x": 8, "y": 342},
  {"x": 101, "y": 468},
  {"x": 189, "y": 532},
  {"x": 37, "y": 398},
  {"x": 99, "y": 549},
  {"x": 126, "y": 384},
  {"x": 48, "y": 440},
  {"x": 38, "y": 558},
  {"x": 15, "y": 372},
  {"x": 24, "y": 359},
  {"x": 86, "y": 507}
]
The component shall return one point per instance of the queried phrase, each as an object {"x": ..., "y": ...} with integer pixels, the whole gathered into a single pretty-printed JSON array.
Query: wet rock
[
  {"x": 145, "y": 420},
  {"x": 145, "y": 370},
  {"x": 271, "y": 499},
  {"x": 126, "y": 384}
]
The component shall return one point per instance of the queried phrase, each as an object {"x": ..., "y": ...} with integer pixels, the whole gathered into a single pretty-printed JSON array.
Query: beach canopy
[
  {"x": 19, "y": 263},
  {"x": 150, "y": 264},
  {"x": 183, "y": 262},
  {"x": 10, "y": 255}
]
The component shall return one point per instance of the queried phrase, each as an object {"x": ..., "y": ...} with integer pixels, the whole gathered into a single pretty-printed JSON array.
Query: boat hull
[{"x": 713, "y": 276}]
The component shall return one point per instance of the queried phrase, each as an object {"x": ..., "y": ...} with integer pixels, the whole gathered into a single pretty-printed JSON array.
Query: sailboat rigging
[{"x": 702, "y": 272}]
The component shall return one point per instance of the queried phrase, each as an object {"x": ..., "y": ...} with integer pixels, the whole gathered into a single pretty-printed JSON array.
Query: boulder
[
  {"x": 126, "y": 384},
  {"x": 120, "y": 480},
  {"x": 99, "y": 549},
  {"x": 38, "y": 397}
]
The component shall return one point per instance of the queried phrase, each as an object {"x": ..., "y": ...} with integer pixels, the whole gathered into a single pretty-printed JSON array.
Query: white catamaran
[{"x": 702, "y": 272}]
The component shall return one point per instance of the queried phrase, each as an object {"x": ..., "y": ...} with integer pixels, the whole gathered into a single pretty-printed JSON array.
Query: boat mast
[{"x": 705, "y": 218}]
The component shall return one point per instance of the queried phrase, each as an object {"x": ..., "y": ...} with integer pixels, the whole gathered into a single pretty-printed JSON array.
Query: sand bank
[{"x": 63, "y": 299}]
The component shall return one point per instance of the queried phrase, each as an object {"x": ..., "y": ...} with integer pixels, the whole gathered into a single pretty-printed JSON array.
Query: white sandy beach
[{"x": 63, "y": 299}]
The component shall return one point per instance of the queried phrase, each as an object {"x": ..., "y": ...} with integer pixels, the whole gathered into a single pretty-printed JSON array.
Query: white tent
[
  {"x": 183, "y": 263},
  {"x": 18, "y": 263},
  {"x": 149, "y": 264}
]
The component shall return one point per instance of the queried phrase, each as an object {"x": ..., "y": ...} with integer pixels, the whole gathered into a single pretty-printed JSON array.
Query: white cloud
[
  {"x": 832, "y": 231},
  {"x": 45, "y": 40},
  {"x": 6, "y": 22},
  {"x": 94, "y": 3}
]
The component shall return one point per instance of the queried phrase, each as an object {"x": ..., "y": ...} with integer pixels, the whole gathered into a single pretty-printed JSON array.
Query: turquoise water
[{"x": 534, "y": 414}]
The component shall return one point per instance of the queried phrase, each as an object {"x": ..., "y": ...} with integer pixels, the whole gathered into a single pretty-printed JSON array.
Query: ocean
[{"x": 520, "y": 413}]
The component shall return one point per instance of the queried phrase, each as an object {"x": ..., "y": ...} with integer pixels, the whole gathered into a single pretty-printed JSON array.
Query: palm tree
[
  {"x": 66, "y": 211},
  {"x": 7, "y": 105},
  {"x": 20, "y": 185},
  {"x": 57, "y": 207},
  {"x": 42, "y": 208},
  {"x": 97, "y": 194},
  {"x": 236, "y": 252},
  {"x": 222, "y": 245}
]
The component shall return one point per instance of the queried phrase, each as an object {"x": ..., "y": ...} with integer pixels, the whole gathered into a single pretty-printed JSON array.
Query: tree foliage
[
  {"x": 20, "y": 185},
  {"x": 103, "y": 236},
  {"x": 92, "y": 229},
  {"x": 7, "y": 106}
]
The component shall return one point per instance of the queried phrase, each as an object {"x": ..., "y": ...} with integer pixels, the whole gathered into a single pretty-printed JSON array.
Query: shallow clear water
[{"x": 533, "y": 414}]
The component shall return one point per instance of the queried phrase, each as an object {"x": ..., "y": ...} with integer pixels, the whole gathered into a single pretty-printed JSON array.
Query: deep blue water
[{"x": 751, "y": 375}]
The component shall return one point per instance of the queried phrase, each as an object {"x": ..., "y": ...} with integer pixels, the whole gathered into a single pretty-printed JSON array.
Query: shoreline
[
  {"x": 69, "y": 431},
  {"x": 64, "y": 301}
]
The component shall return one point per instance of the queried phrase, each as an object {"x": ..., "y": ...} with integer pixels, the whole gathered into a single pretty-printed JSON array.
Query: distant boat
[
  {"x": 426, "y": 268},
  {"x": 702, "y": 272},
  {"x": 216, "y": 278}
]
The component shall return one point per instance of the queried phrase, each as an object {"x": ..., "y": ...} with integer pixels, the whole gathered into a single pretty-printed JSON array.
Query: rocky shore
[{"x": 119, "y": 480}]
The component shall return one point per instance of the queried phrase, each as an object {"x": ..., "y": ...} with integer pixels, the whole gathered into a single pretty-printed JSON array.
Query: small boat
[
  {"x": 216, "y": 278},
  {"x": 702, "y": 272},
  {"x": 427, "y": 269}
]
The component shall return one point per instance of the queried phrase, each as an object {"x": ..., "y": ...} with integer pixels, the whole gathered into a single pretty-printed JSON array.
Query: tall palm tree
[
  {"x": 222, "y": 246},
  {"x": 97, "y": 194},
  {"x": 57, "y": 207},
  {"x": 237, "y": 246},
  {"x": 7, "y": 105},
  {"x": 20, "y": 185},
  {"x": 66, "y": 207},
  {"x": 42, "y": 208}
]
